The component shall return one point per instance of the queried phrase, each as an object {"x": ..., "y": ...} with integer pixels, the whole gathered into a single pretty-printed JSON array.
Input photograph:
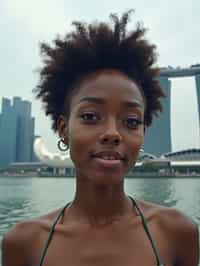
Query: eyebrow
[
  {"x": 92, "y": 100},
  {"x": 101, "y": 101}
]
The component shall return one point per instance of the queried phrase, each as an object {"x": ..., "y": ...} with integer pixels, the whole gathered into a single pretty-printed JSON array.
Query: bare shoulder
[
  {"x": 185, "y": 235},
  {"x": 170, "y": 218},
  {"x": 180, "y": 230},
  {"x": 18, "y": 243},
  {"x": 177, "y": 224}
]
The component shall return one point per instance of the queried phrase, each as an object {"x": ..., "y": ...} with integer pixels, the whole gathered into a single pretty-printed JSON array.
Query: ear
[{"x": 62, "y": 127}]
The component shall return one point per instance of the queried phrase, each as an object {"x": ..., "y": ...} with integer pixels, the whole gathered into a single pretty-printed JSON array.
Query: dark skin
[{"x": 101, "y": 226}]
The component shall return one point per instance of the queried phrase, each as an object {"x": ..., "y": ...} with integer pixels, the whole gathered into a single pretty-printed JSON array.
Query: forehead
[{"x": 110, "y": 85}]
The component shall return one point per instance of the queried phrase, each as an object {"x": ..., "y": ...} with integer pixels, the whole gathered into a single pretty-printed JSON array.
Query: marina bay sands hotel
[{"x": 158, "y": 136}]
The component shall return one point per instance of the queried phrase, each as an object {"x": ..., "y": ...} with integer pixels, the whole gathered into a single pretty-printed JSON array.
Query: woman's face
[{"x": 104, "y": 128}]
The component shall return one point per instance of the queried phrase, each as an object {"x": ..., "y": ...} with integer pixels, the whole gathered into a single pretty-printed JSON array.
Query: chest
[{"x": 104, "y": 248}]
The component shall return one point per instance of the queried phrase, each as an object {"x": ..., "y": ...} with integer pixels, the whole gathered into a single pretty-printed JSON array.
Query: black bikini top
[{"x": 144, "y": 223}]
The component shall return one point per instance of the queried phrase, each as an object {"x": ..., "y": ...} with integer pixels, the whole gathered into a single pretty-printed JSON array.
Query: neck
[{"x": 100, "y": 204}]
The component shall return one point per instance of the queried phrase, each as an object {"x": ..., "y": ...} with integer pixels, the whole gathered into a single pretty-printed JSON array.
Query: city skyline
[
  {"x": 164, "y": 128},
  {"x": 17, "y": 128},
  {"x": 177, "y": 40}
]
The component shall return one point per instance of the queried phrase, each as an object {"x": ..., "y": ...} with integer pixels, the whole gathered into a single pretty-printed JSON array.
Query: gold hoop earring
[{"x": 62, "y": 146}]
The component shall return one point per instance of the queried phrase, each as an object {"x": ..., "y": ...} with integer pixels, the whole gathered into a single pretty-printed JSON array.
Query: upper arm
[
  {"x": 186, "y": 240},
  {"x": 182, "y": 234},
  {"x": 189, "y": 247},
  {"x": 16, "y": 246},
  {"x": 12, "y": 253}
]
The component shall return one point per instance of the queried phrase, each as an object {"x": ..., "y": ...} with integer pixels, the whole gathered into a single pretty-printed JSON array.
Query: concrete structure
[
  {"x": 158, "y": 136},
  {"x": 56, "y": 160},
  {"x": 184, "y": 155},
  {"x": 16, "y": 132},
  {"x": 59, "y": 164}
]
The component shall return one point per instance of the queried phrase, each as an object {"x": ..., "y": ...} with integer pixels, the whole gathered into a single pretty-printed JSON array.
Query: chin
[
  {"x": 101, "y": 176},
  {"x": 107, "y": 179}
]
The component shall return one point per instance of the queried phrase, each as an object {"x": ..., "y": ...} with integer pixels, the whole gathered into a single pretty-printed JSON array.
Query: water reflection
[
  {"x": 15, "y": 201},
  {"x": 188, "y": 194},
  {"x": 12, "y": 212},
  {"x": 158, "y": 190}
]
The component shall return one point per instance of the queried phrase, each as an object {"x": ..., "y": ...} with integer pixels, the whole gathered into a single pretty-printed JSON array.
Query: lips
[{"x": 109, "y": 155}]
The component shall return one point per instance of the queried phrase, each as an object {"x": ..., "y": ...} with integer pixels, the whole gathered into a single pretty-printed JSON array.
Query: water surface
[{"x": 24, "y": 198}]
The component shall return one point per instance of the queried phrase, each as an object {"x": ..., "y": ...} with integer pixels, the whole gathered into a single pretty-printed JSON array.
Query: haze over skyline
[{"x": 172, "y": 27}]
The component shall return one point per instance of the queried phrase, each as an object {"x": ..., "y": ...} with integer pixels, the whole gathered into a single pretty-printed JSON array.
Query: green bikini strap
[
  {"x": 144, "y": 222},
  {"x": 51, "y": 234}
]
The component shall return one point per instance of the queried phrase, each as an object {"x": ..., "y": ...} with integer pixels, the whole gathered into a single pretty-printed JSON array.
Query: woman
[{"x": 100, "y": 87}]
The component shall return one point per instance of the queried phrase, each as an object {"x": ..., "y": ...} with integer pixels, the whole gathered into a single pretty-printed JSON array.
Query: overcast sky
[{"x": 173, "y": 27}]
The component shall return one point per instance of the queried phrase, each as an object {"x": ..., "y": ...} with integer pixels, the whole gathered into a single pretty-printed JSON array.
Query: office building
[
  {"x": 197, "y": 79},
  {"x": 16, "y": 132},
  {"x": 158, "y": 136}
]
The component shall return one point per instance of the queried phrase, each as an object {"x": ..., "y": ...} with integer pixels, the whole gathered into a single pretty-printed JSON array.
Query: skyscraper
[
  {"x": 158, "y": 136},
  {"x": 8, "y": 129},
  {"x": 197, "y": 79},
  {"x": 16, "y": 131}
]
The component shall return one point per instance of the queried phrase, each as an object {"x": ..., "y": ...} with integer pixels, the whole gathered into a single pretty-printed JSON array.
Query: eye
[
  {"x": 132, "y": 122},
  {"x": 90, "y": 117}
]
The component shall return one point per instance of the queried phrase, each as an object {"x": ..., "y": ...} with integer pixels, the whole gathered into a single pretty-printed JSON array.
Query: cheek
[
  {"x": 79, "y": 142},
  {"x": 78, "y": 136},
  {"x": 134, "y": 144},
  {"x": 75, "y": 150}
]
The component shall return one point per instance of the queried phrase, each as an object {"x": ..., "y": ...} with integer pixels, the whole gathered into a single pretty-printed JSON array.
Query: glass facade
[
  {"x": 158, "y": 136},
  {"x": 16, "y": 132},
  {"x": 197, "y": 79}
]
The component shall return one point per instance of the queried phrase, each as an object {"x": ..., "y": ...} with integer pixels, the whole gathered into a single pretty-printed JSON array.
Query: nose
[{"x": 111, "y": 134}]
